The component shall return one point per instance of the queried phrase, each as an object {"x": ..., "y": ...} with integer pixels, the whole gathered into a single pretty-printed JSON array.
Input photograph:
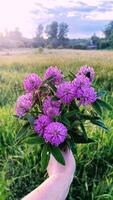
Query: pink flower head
[
  {"x": 23, "y": 104},
  {"x": 87, "y": 71},
  {"x": 55, "y": 133},
  {"x": 65, "y": 92},
  {"x": 54, "y": 72},
  {"x": 88, "y": 96},
  {"x": 40, "y": 124},
  {"x": 79, "y": 83},
  {"x": 51, "y": 108},
  {"x": 32, "y": 82}
]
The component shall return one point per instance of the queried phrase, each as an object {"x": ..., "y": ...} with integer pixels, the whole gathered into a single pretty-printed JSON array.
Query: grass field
[{"x": 20, "y": 170}]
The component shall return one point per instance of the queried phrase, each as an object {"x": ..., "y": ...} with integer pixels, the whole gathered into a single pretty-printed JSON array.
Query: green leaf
[
  {"x": 35, "y": 140},
  {"x": 52, "y": 86},
  {"x": 101, "y": 93},
  {"x": 71, "y": 114},
  {"x": 45, "y": 156},
  {"x": 55, "y": 98},
  {"x": 103, "y": 104},
  {"x": 80, "y": 139},
  {"x": 43, "y": 89},
  {"x": 51, "y": 78},
  {"x": 22, "y": 131},
  {"x": 57, "y": 154},
  {"x": 72, "y": 74},
  {"x": 100, "y": 124},
  {"x": 48, "y": 80},
  {"x": 31, "y": 119},
  {"x": 73, "y": 146},
  {"x": 84, "y": 131},
  {"x": 88, "y": 117},
  {"x": 70, "y": 77},
  {"x": 75, "y": 124},
  {"x": 97, "y": 108},
  {"x": 65, "y": 121}
]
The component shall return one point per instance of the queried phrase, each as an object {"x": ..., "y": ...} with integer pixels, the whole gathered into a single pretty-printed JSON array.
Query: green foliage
[
  {"x": 45, "y": 156},
  {"x": 4, "y": 186},
  {"x": 57, "y": 154}
]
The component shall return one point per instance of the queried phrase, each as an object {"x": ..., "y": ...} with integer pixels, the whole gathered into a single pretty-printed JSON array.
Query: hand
[
  {"x": 58, "y": 183},
  {"x": 67, "y": 171}
]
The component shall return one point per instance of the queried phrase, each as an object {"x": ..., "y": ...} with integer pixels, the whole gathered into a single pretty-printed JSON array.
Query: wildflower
[
  {"x": 23, "y": 104},
  {"x": 87, "y": 71},
  {"x": 32, "y": 82},
  {"x": 65, "y": 92},
  {"x": 54, "y": 72},
  {"x": 40, "y": 123},
  {"x": 88, "y": 96},
  {"x": 51, "y": 108},
  {"x": 55, "y": 133},
  {"x": 79, "y": 83}
]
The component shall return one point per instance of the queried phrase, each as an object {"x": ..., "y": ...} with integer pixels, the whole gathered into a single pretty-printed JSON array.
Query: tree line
[{"x": 55, "y": 35}]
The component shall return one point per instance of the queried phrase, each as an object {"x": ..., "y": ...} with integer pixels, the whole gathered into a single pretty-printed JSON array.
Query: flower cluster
[
  {"x": 48, "y": 121},
  {"x": 56, "y": 108}
]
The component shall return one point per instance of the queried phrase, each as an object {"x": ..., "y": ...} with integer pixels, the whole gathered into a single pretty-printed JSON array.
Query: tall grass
[{"x": 20, "y": 164}]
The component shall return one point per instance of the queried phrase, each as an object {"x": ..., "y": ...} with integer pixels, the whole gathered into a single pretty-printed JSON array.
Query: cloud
[{"x": 84, "y": 17}]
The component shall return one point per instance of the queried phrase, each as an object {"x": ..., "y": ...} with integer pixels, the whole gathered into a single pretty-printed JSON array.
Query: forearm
[{"x": 55, "y": 187}]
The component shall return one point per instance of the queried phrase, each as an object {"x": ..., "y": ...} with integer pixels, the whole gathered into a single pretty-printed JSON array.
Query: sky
[{"x": 84, "y": 17}]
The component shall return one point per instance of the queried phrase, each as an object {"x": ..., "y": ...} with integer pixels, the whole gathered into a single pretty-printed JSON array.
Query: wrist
[{"x": 63, "y": 178}]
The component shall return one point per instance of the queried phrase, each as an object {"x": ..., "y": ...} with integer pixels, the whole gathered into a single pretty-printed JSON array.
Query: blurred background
[{"x": 56, "y": 24}]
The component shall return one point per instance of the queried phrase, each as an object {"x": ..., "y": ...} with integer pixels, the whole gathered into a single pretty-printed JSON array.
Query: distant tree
[
  {"x": 62, "y": 35},
  {"x": 52, "y": 32},
  {"x": 38, "y": 40},
  {"x": 108, "y": 30},
  {"x": 107, "y": 42},
  {"x": 111, "y": 40},
  {"x": 103, "y": 43},
  {"x": 39, "y": 32},
  {"x": 63, "y": 30},
  {"x": 95, "y": 40}
]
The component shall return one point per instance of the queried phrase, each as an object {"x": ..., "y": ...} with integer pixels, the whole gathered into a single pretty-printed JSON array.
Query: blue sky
[{"x": 84, "y": 17}]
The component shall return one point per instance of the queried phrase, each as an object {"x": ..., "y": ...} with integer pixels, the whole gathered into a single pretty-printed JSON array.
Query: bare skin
[{"x": 56, "y": 186}]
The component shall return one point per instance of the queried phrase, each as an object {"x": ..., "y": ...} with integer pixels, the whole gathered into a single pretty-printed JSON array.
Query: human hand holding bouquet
[{"x": 54, "y": 110}]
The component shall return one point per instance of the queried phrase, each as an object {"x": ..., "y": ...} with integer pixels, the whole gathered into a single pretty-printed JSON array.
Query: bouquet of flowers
[{"x": 55, "y": 110}]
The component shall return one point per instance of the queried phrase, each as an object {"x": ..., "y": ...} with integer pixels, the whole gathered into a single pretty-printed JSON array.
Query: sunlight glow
[{"x": 16, "y": 13}]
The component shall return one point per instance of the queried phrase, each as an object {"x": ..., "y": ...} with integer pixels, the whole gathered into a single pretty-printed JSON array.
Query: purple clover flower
[
  {"x": 55, "y": 133},
  {"x": 32, "y": 82},
  {"x": 40, "y": 124},
  {"x": 65, "y": 92},
  {"x": 79, "y": 83},
  {"x": 83, "y": 90},
  {"x": 54, "y": 72},
  {"x": 88, "y": 96},
  {"x": 23, "y": 104},
  {"x": 51, "y": 108},
  {"x": 87, "y": 71}
]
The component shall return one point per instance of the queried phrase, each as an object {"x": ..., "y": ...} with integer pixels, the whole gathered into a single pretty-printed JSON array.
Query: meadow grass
[{"x": 20, "y": 170}]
